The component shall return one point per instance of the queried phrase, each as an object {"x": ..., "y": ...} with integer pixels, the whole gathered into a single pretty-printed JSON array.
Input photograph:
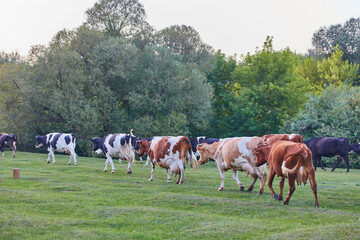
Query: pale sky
[{"x": 234, "y": 26}]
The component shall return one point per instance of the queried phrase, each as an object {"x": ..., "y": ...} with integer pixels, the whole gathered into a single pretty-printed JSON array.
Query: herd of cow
[{"x": 286, "y": 155}]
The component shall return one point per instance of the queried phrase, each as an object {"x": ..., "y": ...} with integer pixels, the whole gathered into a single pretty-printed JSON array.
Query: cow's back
[{"x": 328, "y": 146}]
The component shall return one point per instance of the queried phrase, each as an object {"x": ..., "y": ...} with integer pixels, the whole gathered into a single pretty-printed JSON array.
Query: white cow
[
  {"x": 236, "y": 154},
  {"x": 116, "y": 145},
  {"x": 58, "y": 142}
]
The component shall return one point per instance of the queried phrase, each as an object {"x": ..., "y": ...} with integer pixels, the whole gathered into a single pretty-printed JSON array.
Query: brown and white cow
[
  {"x": 270, "y": 138},
  {"x": 168, "y": 153},
  {"x": 287, "y": 160},
  {"x": 236, "y": 154}
]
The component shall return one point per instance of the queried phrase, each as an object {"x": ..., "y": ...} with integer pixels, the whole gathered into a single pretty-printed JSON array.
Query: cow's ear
[{"x": 93, "y": 139}]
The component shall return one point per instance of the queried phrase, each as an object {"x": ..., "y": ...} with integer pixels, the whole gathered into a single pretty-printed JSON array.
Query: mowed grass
[{"x": 66, "y": 202}]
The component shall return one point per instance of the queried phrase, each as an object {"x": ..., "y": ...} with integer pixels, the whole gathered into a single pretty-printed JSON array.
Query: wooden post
[{"x": 16, "y": 172}]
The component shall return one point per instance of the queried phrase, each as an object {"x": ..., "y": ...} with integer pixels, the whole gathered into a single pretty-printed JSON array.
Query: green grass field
[{"x": 66, "y": 202}]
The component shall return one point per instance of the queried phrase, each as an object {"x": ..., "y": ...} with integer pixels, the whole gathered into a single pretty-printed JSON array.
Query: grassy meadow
[{"x": 66, "y": 202}]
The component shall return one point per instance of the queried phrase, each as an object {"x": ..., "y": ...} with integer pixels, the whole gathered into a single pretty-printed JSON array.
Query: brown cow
[
  {"x": 287, "y": 160},
  {"x": 236, "y": 154},
  {"x": 168, "y": 153},
  {"x": 270, "y": 138}
]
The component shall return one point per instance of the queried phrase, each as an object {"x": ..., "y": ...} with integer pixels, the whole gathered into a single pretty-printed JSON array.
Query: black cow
[
  {"x": 196, "y": 141},
  {"x": 355, "y": 148},
  {"x": 329, "y": 147},
  {"x": 8, "y": 140}
]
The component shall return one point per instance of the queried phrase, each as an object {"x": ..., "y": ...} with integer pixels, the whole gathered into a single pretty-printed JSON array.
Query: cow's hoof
[
  {"x": 250, "y": 189},
  {"x": 317, "y": 205},
  {"x": 150, "y": 180},
  {"x": 323, "y": 168},
  {"x": 260, "y": 193},
  {"x": 220, "y": 189},
  {"x": 105, "y": 170},
  {"x": 69, "y": 163},
  {"x": 285, "y": 203},
  {"x": 280, "y": 198},
  {"x": 169, "y": 180},
  {"x": 181, "y": 182},
  {"x": 332, "y": 170},
  {"x": 48, "y": 162},
  {"x": 54, "y": 163},
  {"x": 112, "y": 171},
  {"x": 276, "y": 197},
  {"x": 129, "y": 172},
  {"x": 242, "y": 188}
]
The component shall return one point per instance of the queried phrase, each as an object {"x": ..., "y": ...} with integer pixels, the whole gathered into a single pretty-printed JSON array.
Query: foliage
[
  {"x": 118, "y": 18},
  {"x": 61, "y": 202},
  {"x": 328, "y": 71},
  {"x": 336, "y": 113},
  {"x": 186, "y": 41},
  {"x": 263, "y": 92},
  {"x": 346, "y": 36}
]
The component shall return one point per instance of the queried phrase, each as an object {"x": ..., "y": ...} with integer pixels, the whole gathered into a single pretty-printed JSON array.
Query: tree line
[{"x": 116, "y": 72}]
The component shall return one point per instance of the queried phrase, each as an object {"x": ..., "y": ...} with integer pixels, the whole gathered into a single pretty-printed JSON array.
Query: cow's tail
[
  {"x": 301, "y": 174},
  {"x": 193, "y": 161}
]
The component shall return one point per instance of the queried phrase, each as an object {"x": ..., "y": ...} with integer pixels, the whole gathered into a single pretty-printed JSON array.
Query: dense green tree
[
  {"x": 118, "y": 18},
  {"x": 220, "y": 78},
  {"x": 266, "y": 92},
  {"x": 330, "y": 70}
]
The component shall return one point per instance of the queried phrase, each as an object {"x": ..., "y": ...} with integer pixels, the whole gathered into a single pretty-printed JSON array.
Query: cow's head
[
  {"x": 297, "y": 138},
  {"x": 261, "y": 154},
  {"x": 143, "y": 147},
  {"x": 96, "y": 145},
  {"x": 40, "y": 140},
  {"x": 137, "y": 142},
  {"x": 204, "y": 153}
]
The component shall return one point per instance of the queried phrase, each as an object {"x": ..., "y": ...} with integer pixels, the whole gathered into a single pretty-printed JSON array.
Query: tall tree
[
  {"x": 346, "y": 36},
  {"x": 186, "y": 41},
  {"x": 117, "y": 17}
]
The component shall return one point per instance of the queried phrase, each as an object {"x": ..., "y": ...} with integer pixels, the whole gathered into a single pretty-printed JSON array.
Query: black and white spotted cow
[
  {"x": 119, "y": 145},
  {"x": 58, "y": 142},
  {"x": 199, "y": 140},
  {"x": 8, "y": 140}
]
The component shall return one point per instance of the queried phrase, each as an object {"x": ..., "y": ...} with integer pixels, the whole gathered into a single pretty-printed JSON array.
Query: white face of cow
[{"x": 38, "y": 145}]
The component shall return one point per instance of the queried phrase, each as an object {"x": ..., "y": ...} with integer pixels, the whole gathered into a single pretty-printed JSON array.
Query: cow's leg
[
  {"x": 167, "y": 175},
  {"x": 281, "y": 185},
  {"x": 311, "y": 174},
  {"x": 251, "y": 187},
  {"x": 109, "y": 160},
  {"x": 236, "y": 178},
  {"x": 2, "y": 151},
  {"x": 337, "y": 163},
  {"x": 73, "y": 156},
  {"x": 320, "y": 163},
  {"x": 147, "y": 161},
  {"x": 314, "y": 159},
  {"x": 141, "y": 161},
  {"x": 70, "y": 159},
  {"x": 119, "y": 160},
  {"x": 291, "y": 181},
  {"x": 51, "y": 152},
  {"x": 222, "y": 177},
  {"x": 262, "y": 178},
  {"x": 346, "y": 158},
  {"x": 182, "y": 171},
  {"x": 271, "y": 179},
  {"x": 49, "y": 155},
  {"x": 14, "y": 149},
  {"x": 129, "y": 171},
  {"x": 152, "y": 171}
]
